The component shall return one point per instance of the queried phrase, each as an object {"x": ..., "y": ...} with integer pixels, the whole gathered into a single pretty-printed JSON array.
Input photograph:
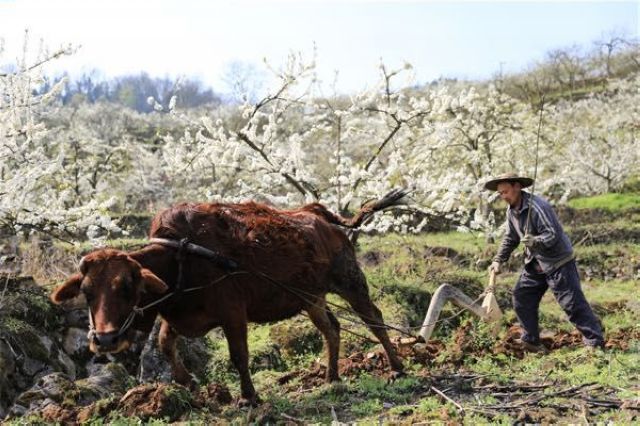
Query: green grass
[
  {"x": 610, "y": 291},
  {"x": 612, "y": 202},
  {"x": 570, "y": 367},
  {"x": 462, "y": 242}
]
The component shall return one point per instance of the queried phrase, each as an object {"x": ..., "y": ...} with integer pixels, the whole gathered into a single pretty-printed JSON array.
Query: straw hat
[{"x": 492, "y": 185}]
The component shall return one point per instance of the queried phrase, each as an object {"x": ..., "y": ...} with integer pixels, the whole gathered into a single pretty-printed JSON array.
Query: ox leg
[
  {"x": 236, "y": 334},
  {"x": 372, "y": 316},
  {"x": 328, "y": 325},
  {"x": 167, "y": 341},
  {"x": 355, "y": 291}
]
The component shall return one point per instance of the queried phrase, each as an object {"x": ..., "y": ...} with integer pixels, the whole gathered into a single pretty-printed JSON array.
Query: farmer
[{"x": 549, "y": 262}]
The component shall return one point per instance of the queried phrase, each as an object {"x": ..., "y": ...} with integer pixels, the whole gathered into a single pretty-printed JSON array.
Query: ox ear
[
  {"x": 152, "y": 283},
  {"x": 68, "y": 290}
]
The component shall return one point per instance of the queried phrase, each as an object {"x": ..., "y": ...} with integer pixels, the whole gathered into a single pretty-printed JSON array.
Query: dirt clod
[
  {"x": 157, "y": 400},
  {"x": 215, "y": 392},
  {"x": 372, "y": 258}
]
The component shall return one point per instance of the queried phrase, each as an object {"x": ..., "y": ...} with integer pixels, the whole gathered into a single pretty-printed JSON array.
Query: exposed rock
[
  {"x": 68, "y": 365},
  {"x": 154, "y": 366},
  {"x": 48, "y": 390},
  {"x": 130, "y": 358},
  {"x": 7, "y": 369},
  {"x": 269, "y": 358},
  {"x": 29, "y": 349},
  {"x": 77, "y": 318},
  {"x": 55, "y": 394},
  {"x": 111, "y": 379},
  {"x": 296, "y": 336},
  {"x": 43, "y": 349},
  {"x": 23, "y": 299},
  {"x": 75, "y": 342},
  {"x": 7, "y": 360},
  {"x": 195, "y": 355}
]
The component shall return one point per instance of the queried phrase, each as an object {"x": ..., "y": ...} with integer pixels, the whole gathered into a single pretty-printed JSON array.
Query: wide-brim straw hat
[{"x": 492, "y": 185}]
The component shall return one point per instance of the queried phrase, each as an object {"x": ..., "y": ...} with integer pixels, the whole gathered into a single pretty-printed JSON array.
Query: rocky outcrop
[
  {"x": 54, "y": 393},
  {"x": 29, "y": 338},
  {"x": 45, "y": 364},
  {"x": 154, "y": 367}
]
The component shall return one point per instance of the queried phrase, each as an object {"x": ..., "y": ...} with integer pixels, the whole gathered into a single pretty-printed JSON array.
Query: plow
[{"x": 485, "y": 306}]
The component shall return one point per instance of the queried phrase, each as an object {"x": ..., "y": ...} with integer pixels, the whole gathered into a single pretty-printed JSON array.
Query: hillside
[{"x": 462, "y": 374}]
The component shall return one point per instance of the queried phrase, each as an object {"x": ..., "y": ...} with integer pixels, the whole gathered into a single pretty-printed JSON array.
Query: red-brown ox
[{"x": 287, "y": 261}]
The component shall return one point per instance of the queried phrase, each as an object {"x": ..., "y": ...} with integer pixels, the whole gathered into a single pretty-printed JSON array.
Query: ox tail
[{"x": 367, "y": 210}]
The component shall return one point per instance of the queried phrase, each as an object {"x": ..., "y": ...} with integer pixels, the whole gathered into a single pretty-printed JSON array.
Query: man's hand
[
  {"x": 528, "y": 240},
  {"x": 494, "y": 267}
]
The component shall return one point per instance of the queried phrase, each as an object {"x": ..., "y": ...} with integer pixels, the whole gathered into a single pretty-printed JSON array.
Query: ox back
[{"x": 303, "y": 254}]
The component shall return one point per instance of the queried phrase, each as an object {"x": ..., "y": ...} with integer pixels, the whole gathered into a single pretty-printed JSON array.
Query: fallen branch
[
  {"x": 442, "y": 394},
  {"x": 535, "y": 397},
  {"x": 291, "y": 418},
  {"x": 511, "y": 388},
  {"x": 603, "y": 402}
]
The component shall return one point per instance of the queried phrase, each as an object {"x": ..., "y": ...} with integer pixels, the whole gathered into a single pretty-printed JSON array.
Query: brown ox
[{"x": 287, "y": 261}]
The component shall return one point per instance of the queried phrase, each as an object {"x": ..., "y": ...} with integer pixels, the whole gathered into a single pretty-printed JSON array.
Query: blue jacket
[{"x": 551, "y": 248}]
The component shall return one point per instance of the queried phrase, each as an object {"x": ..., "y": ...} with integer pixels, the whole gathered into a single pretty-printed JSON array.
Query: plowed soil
[{"x": 160, "y": 400}]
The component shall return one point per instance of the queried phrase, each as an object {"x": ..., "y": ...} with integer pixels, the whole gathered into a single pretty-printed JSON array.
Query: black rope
[{"x": 297, "y": 292}]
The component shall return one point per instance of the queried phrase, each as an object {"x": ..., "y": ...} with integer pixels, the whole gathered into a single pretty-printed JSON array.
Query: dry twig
[{"x": 442, "y": 394}]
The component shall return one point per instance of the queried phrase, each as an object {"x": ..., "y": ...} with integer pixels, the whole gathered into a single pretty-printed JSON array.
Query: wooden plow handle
[{"x": 492, "y": 281}]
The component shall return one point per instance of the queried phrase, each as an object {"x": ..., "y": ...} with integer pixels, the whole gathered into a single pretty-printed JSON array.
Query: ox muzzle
[
  {"x": 105, "y": 342},
  {"x": 112, "y": 341}
]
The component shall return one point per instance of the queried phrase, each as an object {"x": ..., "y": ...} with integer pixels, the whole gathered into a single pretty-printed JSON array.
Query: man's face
[{"x": 510, "y": 193}]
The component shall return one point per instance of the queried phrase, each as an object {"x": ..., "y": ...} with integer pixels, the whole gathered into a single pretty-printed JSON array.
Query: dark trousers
[{"x": 565, "y": 284}]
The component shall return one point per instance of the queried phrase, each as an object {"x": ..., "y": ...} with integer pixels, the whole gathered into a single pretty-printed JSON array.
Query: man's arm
[
  {"x": 509, "y": 243},
  {"x": 545, "y": 225}
]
